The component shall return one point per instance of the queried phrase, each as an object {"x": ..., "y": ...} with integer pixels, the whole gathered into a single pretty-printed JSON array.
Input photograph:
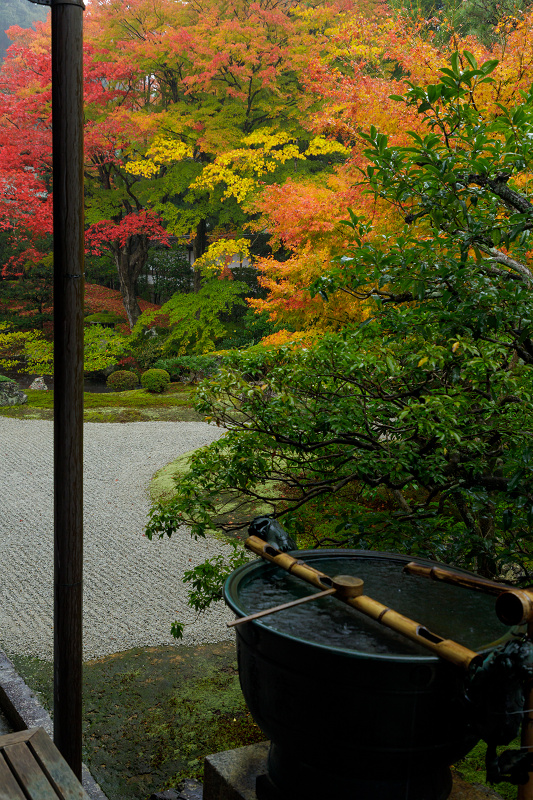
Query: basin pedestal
[{"x": 242, "y": 774}]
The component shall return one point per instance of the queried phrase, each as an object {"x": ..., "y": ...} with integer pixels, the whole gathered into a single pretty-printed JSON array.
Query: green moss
[
  {"x": 176, "y": 405},
  {"x": 39, "y": 675},
  {"x": 472, "y": 769},
  {"x": 151, "y": 715},
  {"x": 23, "y": 412},
  {"x": 163, "y": 487},
  {"x": 104, "y": 318}
]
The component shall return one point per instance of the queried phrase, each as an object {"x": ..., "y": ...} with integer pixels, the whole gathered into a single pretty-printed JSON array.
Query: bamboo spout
[
  {"x": 515, "y": 607},
  {"x": 445, "y": 648}
]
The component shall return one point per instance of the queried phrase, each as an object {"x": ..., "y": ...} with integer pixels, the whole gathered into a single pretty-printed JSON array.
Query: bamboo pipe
[
  {"x": 445, "y": 648},
  {"x": 513, "y": 606},
  {"x": 455, "y": 578}
]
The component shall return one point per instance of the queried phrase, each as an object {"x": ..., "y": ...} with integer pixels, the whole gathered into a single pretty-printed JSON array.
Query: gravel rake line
[{"x": 132, "y": 586}]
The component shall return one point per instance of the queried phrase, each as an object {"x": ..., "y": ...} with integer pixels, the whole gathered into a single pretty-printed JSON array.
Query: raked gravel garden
[{"x": 132, "y": 586}]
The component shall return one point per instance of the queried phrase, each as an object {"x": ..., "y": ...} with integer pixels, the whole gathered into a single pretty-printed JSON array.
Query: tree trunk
[
  {"x": 130, "y": 260},
  {"x": 199, "y": 248}
]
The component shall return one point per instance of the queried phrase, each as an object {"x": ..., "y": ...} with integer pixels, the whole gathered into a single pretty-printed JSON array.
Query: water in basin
[{"x": 452, "y": 612}]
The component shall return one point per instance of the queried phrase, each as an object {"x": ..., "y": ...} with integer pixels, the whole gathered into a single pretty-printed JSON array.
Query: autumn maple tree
[
  {"x": 226, "y": 87},
  {"x": 378, "y": 59},
  {"x": 426, "y": 403},
  {"x": 119, "y": 215},
  {"x": 180, "y": 100}
]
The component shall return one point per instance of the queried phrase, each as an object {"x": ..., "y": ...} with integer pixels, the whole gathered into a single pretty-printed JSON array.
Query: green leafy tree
[
  {"x": 194, "y": 319},
  {"x": 30, "y": 351},
  {"x": 429, "y": 400}
]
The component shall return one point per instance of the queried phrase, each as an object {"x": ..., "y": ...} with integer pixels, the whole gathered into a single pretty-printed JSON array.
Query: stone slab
[{"x": 231, "y": 775}]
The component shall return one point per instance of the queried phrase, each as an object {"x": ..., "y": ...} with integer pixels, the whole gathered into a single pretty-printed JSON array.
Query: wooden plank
[
  {"x": 55, "y": 767},
  {"x": 28, "y": 771},
  {"x": 9, "y": 788},
  {"x": 18, "y": 736}
]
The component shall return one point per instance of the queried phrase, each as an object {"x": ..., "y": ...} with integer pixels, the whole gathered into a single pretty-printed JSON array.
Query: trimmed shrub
[
  {"x": 189, "y": 368},
  {"x": 3, "y": 379},
  {"x": 155, "y": 380},
  {"x": 122, "y": 380}
]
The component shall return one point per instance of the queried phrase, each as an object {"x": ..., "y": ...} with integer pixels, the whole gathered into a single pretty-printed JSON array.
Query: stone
[
  {"x": 39, "y": 384},
  {"x": 187, "y": 790},
  {"x": 191, "y": 789},
  {"x": 471, "y": 791},
  {"x": 232, "y": 775},
  {"x": 11, "y": 395}
]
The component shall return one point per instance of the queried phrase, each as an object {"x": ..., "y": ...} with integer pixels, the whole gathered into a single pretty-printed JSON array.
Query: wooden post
[{"x": 67, "y": 120}]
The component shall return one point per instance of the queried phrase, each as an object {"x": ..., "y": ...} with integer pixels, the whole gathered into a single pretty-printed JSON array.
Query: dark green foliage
[
  {"x": 101, "y": 270},
  {"x": 487, "y": 20},
  {"x": 189, "y": 368},
  {"x": 122, "y": 380},
  {"x": 146, "y": 349},
  {"x": 155, "y": 380},
  {"x": 166, "y": 272},
  {"x": 3, "y": 379},
  {"x": 31, "y": 294},
  {"x": 482, "y": 18},
  {"x": 249, "y": 329}
]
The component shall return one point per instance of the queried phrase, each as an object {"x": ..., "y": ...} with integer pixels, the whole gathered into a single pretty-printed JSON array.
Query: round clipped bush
[
  {"x": 155, "y": 380},
  {"x": 122, "y": 380}
]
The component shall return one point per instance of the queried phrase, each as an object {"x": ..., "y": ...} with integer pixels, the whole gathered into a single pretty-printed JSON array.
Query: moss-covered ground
[
  {"x": 151, "y": 715},
  {"x": 173, "y": 405}
]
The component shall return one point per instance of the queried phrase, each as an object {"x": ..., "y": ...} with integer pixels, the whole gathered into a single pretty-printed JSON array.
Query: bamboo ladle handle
[{"x": 343, "y": 586}]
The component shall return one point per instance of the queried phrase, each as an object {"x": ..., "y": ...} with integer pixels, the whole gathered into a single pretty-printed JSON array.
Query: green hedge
[{"x": 192, "y": 368}]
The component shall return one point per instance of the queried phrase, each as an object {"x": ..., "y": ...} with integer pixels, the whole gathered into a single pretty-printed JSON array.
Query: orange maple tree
[{"x": 380, "y": 58}]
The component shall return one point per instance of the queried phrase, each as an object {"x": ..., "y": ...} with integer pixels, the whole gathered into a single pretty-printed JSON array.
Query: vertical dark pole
[{"x": 67, "y": 121}]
